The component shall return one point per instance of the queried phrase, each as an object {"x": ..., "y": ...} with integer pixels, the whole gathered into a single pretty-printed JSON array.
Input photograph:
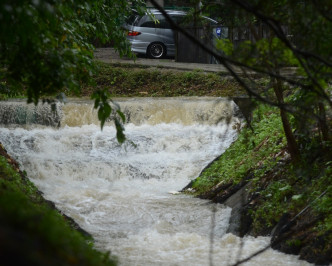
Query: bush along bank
[
  {"x": 33, "y": 231},
  {"x": 121, "y": 80},
  {"x": 271, "y": 196}
]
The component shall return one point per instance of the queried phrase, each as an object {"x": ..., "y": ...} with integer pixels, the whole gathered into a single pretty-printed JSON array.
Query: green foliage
[
  {"x": 294, "y": 243},
  {"x": 291, "y": 192},
  {"x": 102, "y": 103},
  {"x": 297, "y": 34},
  {"x": 17, "y": 183},
  {"x": 277, "y": 187},
  {"x": 226, "y": 46},
  {"x": 249, "y": 152},
  {"x": 45, "y": 46},
  {"x": 323, "y": 205},
  {"x": 276, "y": 197},
  {"x": 38, "y": 234},
  {"x": 265, "y": 53},
  {"x": 126, "y": 80}
]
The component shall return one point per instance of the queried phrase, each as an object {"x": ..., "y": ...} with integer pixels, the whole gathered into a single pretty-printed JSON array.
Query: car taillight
[{"x": 133, "y": 33}]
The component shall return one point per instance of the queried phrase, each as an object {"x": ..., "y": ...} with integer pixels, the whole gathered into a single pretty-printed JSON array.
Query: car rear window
[
  {"x": 147, "y": 22},
  {"x": 132, "y": 20},
  {"x": 144, "y": 21}
]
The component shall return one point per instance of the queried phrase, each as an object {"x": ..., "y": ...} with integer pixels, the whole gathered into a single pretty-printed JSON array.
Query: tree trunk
[
  {"x": 322, "y": 122},
  {"x": 291, "y": 142}
]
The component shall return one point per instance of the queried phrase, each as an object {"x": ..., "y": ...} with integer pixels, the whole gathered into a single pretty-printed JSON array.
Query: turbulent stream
[{"x": 123, "y": 195}]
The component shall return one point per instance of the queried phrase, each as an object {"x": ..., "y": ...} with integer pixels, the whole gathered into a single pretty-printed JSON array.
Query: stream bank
[
  {"x": 33, "y": 231},
  {"x": 247, "y": 185},
  {"x": 269, "y": 195}
]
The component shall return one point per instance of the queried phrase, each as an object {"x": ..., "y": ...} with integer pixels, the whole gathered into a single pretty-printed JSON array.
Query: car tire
[{"x": 156, "y": 50}]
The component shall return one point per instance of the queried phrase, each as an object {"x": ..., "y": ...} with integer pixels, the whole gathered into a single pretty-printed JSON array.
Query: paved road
[{"x": 109, "y": 55}]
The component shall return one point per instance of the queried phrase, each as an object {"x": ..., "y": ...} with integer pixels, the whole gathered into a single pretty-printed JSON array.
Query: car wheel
[{"x": 156, "y": 50}]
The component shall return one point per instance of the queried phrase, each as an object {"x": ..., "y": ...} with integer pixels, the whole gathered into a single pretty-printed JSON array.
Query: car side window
[
  {"x": 163, "y": 23},
  {"x": 148, "y": 24},
  {"x": 178, "y": 19}
]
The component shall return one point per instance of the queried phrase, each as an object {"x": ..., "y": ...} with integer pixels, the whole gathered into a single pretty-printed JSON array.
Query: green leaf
[
  {"x": 119, "y": 131},
  {"x": 297, "y": 197},
  {"x": 121, "y": 115},
  {"x": 287, "y": 187},
  {"x": 104, "y": 112}
]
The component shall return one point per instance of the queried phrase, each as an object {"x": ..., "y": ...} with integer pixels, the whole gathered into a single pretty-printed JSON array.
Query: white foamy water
[{"x": 120, "y": 194}]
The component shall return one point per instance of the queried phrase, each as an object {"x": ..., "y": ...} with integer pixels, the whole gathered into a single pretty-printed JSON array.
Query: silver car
[{"x": 154, "y": 37}]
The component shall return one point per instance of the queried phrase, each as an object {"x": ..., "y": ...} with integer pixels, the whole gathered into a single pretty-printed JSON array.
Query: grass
[
  {"x": 247, "y": 153},
  {"x": 135, "y": 82},
  {"x": 277, "y": 188},
  {"x": 261, "y": 156}
]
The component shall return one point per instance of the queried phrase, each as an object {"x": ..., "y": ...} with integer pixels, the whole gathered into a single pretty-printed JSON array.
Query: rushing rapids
[{"x": 120, "y": 193}]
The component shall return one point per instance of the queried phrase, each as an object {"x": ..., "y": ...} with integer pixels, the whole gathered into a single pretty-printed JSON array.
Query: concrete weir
[{"x": 77, "y": 112}]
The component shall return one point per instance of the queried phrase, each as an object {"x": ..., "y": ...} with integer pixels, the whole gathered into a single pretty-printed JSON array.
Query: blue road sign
[{"x": 218, "y": 31}]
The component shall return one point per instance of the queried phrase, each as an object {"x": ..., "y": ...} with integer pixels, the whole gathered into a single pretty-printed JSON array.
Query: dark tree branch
[
  {"x": 277, "y": 29},
  {"x": 228, "y": 64},
  {"x": 281, "y": 235},
  {"x": 275, "y": 26},
  {"x": 321, "y": 10}
]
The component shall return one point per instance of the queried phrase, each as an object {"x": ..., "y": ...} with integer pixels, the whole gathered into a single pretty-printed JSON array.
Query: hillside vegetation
[{"x": 291, "y": 202}]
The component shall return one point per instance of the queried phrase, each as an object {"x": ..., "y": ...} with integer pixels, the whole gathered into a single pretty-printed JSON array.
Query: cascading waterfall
[
  {"x": 120, "y": 193},
  {"x": 19, "y": 113}
]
